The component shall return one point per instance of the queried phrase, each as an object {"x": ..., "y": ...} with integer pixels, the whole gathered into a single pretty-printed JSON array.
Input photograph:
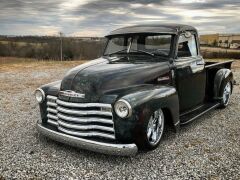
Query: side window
[{"x": 187, "y": 46}]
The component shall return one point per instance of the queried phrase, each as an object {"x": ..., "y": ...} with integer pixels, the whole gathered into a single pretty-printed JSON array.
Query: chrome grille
[{"x": 81, "y": 119}]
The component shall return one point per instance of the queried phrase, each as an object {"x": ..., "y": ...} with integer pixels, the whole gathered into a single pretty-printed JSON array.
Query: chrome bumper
[{"x": 105, "y": 148}]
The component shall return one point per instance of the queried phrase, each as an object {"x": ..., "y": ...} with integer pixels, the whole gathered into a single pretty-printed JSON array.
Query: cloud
[{"x": 98, "y": 17}]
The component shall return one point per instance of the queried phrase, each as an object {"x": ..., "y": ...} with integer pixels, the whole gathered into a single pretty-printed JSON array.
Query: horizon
[
  {"x": 95, "y": 18},
  {"x": 237, "y": 33}
]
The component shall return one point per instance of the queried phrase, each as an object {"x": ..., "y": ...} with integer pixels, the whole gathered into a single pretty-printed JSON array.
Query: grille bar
[
  {"x": 51, "y": 110},
  {"x": 83, "y": 105},
  {"x": 81, "y": 119},
  {"x": 84, "y": 119},
  {"x": 52, "y": 97},
  {"x": 84, "y": 112},
  {"x": 52, "y": 104},
  {"x": 84, "y": 127},
  {"x": 88, "y": 134},
  {"x": 54, "y": 117},
  {"x": 53, "y": 122}
]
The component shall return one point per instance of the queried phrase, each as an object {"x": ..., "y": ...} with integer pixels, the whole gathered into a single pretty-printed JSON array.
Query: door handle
[{"x": 200, "y": 63}]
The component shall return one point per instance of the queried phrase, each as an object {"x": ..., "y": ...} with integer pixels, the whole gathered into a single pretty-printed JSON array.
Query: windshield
[{"x": 147, "y": 44}]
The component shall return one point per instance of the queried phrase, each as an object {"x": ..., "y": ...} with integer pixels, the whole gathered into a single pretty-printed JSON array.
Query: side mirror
[
  {"x": 201, "y": 62},
  {"x": 171, "y": 61},
  {"x": 187, "y": 34}
]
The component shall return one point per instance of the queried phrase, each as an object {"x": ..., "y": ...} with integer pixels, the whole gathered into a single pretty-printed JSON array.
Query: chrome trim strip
[
  {"x": 105, "y": 148},
  {"x": 176, "y": 123},
  {"x": 85, "y": 127},
  {"x": 52, "y": 104},
  {"x": 84, "y": 119},
  {"x": 83, "y": 105},
  {"x": 83, "y": 112},
  {"x": 52, "y": 117},
  {"x": 51, "y": 97},
  {"x": 52, "y": 122},
  {"x": 86, "y": 134},
  {"x": 52, "y": 110}
]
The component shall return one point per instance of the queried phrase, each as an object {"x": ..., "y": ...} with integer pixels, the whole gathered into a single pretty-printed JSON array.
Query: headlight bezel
[
  {"x": 127, "y": 104},
  {"x": 42, "y": 93}
]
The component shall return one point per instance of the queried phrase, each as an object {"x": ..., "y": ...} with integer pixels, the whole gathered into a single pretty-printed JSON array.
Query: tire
[
  {"x": 152, "y": 131},
  {"x": 226, "y": 91}
]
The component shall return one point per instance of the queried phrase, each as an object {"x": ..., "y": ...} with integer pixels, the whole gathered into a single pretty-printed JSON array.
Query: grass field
[
  {"x": 23, "y": 64},
  {"x": 218, "y": 49}
]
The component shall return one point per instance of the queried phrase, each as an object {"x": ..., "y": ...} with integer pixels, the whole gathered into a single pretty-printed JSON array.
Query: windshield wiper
[
  {"x": 145, "y": 52},
  {"x": 133, "y": 50},
  {"x": 116, "y": 52}
]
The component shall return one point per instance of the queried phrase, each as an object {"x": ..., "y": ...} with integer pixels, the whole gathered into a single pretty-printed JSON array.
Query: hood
[{"x": 106, "y": 76}]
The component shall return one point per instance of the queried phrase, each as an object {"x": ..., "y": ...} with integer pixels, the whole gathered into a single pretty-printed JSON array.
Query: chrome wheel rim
[
  {"x": 155, "y": 127},
  {"x": 226, "y": 93}
]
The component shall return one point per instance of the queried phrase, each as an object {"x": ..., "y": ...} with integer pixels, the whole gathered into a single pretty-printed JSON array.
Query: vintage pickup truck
[{"x": 149, "y": 76}]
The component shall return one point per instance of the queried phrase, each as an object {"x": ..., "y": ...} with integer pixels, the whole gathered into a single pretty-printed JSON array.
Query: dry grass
[
  {"x": 17, "y": 75},
  {"x": 218, "y": 49},
  {"x": 10, "y": 64},
  {"x": 235, "y": 64}
]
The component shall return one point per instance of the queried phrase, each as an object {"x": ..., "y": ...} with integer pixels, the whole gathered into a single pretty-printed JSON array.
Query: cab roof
[{"x": 153, "y": 28}]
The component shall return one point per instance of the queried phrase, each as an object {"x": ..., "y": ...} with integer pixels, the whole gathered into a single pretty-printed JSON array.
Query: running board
[{"x": 188, "y": 117}]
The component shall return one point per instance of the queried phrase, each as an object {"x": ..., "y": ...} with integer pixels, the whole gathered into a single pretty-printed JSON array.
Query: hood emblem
[{"x": 70, "y": 93}]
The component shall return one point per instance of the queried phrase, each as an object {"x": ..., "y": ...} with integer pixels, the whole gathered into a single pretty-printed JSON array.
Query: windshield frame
[{"x": 171, "y": 48}]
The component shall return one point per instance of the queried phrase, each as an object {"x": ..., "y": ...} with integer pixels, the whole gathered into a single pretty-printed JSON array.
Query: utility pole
[{"x": 61, "y": 46}]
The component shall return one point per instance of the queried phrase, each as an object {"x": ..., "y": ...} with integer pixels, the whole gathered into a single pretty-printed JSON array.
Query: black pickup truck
[{"x": 148, "y": 76}]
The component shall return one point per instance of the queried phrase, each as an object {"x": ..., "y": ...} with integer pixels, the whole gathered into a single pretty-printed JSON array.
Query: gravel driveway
[{"x": 208, "y": 148}]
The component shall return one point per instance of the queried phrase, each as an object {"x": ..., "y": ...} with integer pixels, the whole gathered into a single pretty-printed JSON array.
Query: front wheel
[
  {"x": 226, "y": 93},
  {"x": 153, "y": 130}
]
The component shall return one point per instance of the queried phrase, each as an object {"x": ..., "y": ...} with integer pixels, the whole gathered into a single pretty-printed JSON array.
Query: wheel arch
[
  {"x": 222, "y": 76},
  {"x": 169, "y": 119}
]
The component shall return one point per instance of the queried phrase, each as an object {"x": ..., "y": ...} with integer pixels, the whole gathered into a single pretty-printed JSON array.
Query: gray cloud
[{"x": 97, "y": 17}]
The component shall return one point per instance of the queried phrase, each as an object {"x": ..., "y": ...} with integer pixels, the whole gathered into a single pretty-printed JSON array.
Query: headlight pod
[
  {"x": 123, "y": 109},
  {"x": 39, "y": 95}
]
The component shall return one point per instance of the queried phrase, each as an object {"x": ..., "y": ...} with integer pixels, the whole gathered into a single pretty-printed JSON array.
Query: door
[{"x": 190, "y": 72}]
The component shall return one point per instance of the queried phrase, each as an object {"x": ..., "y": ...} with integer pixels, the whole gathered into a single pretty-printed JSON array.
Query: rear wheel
[{"x": 226, "y": 93}]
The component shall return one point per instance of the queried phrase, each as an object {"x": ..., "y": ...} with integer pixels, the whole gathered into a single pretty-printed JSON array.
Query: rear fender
[{"x": 221, "y": 76}]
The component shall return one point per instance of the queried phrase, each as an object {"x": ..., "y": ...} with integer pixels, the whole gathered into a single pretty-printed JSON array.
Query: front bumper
[{"x": 105, "y": 148}]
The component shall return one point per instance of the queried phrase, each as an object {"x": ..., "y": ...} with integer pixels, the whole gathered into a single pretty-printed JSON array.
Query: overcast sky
[{"x": 98, "y": 17}]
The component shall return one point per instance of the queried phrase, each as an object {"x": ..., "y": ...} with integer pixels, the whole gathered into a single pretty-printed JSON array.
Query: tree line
[{"x": 50, "y": 48}]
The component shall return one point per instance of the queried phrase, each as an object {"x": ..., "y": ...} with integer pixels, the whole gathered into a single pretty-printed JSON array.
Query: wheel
[
  {"x": 152, "y": 131},
  {"x": 226, "y": 93}
]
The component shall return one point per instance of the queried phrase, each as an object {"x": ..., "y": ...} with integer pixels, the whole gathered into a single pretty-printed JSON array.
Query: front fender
[
  {"x": 144, "y": 103},
  {"x": 221, "y": 76}
]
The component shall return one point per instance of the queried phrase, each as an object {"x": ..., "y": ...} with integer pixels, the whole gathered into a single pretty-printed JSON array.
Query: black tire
[
  {"x": 145, "y": 140},
  {"x": 225, "y": 93}
]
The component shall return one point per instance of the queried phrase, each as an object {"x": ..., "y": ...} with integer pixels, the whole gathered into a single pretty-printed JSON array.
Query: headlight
[
  {"x": 40, "y": 95},
  {"x": 122, "y": 108}
]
